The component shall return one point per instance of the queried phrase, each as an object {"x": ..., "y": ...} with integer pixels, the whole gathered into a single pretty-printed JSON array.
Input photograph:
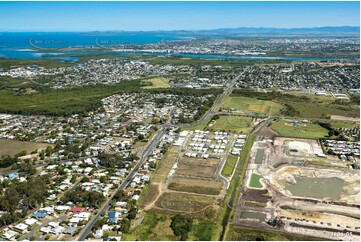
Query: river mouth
[{"x": 329, "y": 187}]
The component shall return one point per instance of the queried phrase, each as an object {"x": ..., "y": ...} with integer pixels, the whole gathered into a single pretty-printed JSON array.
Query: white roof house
[{"x": 21, "y": 226}]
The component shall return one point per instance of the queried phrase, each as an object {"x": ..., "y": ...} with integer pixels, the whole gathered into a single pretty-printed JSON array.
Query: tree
[
  {"x": 181, "y": 226},
  {"x": 125, "y": 225}
]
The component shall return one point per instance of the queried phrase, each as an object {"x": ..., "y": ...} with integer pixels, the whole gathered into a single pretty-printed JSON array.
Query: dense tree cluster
[
  {"x": 7, "y": 160},
  {"x": 22, "y": 195},
  {"x": 85, "y": 198},
  {"x": 111, "y": 160},
  {"x": 181, "y": 226}
]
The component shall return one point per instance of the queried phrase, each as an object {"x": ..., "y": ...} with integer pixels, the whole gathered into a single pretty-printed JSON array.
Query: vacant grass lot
[
  {"x": 164, "y": 168},
  {"x": 209, "y": 161},
  {"x": 306, "y": 106},
  {"x": 250, "y": 105},
  {"x": 196, "y": 186},
  {"x": 309, "y": 109},
  {"x": 12, "y": 147},
  {"x": 307, "y": 130},
  {"x": 341, "y": 124},
  {"x": 183, "y": 202},
  {"x": 232, "y": 123},
  {"x": 148, "y": 195},
  {"x": 157, "y": 82},
  {"x": 229, "y": 166},
  {"x": 156, "y": 227},
  {"x": 195, "y": 170}
]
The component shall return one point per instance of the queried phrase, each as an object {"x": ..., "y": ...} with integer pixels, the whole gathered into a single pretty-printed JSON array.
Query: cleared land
[
  {"x": 209, "y": 161},
  {"x": 157, "y": 82},
  {"x": 195, "y": 170},
  {"x": 12, "y": 147},
  {"x": 232, "y": 123},
  {"x": 303, "y": 130},
  {"x": 184, "y": 202},
  {"x": 196, "y": 186},
  {"x": 249, "y": 105}
]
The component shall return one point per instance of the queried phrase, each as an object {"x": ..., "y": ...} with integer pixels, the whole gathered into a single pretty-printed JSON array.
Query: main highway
[{"x": 229, "y": 86}]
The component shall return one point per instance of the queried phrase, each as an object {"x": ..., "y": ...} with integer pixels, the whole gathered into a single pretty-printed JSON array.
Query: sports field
[
  {"x": 12, "y": 147},
  {"x": 236, "y": 124},
  {"x": 302, "y": 130},
  {"x": 250, "y": 105}
]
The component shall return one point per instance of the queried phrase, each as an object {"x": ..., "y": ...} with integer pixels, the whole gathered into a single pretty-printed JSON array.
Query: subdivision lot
[
  {"x": 12, "y": 147},
  {"x": 195, "y": 170},
  {"x": 302, "y": 130},
  {"x": 248, "y": 105},
  {"x": 195, "y": 186},
  {"x": 236, "y": 124},
  {"x": 209, "y": 161},
  {"x": 182, "y": 202}
]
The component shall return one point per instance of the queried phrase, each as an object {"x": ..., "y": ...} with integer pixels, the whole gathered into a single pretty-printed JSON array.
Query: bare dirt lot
[
  {"x": 196, "y": 170},
  {"x": 196, "y": 185}
]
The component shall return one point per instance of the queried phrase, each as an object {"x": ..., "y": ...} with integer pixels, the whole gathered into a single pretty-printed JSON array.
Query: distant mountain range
[{"x": 245, "y": 30}]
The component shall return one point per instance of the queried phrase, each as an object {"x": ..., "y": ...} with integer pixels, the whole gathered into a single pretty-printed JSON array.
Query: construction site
[
  {"x": 291, "y": 185},
  {"x": 189, "y": 179}
]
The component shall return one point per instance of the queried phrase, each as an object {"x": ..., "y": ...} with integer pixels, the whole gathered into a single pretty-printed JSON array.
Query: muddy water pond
[
  {"x": 253, "y": 215},
  {"x": 316, "y": 187}
]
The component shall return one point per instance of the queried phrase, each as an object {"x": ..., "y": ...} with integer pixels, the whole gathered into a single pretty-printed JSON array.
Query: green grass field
[
  {"x": 229, "y": 166},
  {"x": 153, "y": 227},
  {"x": 12, "y": 147},
  {"x": 157, "y": 82},
  {"x": 156, "y": 227},
  {"x": 237, "y": 124},
  {"x": 304, "y": 130},
  {"x": 341, "y": 124},
  {"x": 324, "y": 109},
  {"x": 250, "y": 105},
  {"x": 255, "y": 181}
]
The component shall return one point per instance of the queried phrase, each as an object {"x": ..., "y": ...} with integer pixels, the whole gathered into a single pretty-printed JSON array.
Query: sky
[{"x": 136, "y": 16}]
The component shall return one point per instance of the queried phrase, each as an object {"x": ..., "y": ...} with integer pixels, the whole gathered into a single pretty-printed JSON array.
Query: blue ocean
[
  {"x": 51, "y": 45},
  {"x": 28, "y": 45}
]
